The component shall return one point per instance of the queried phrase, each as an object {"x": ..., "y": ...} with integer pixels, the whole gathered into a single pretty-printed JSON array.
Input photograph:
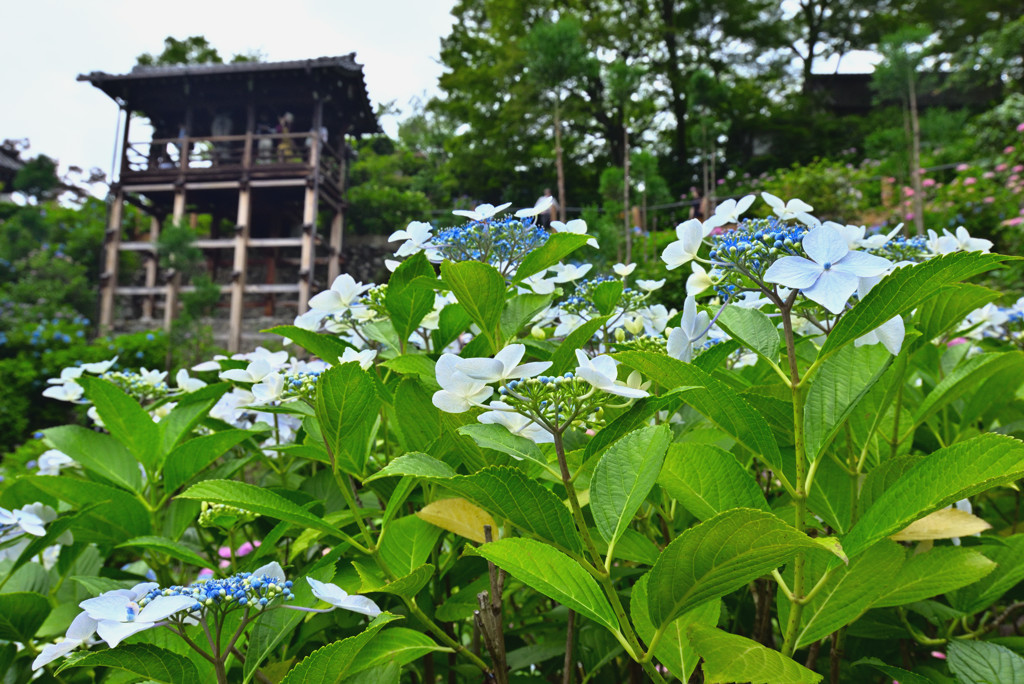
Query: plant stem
[{"x": 799, "y": 395}]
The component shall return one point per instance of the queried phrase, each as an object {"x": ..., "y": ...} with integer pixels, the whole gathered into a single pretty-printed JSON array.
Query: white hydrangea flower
[{"x": 601, "y": 373}]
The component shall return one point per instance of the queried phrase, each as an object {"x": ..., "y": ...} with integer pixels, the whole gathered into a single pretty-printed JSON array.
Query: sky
[{"x": 47, "y": 43}]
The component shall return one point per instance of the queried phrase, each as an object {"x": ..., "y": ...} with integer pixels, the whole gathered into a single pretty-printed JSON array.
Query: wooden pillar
[
  {"x": 238, "y": 270},
  {"x": 338, "y": 221},
  {"x": 179, "y": 205},
  {"x": 307, "y": 258},
  {"x": 111, "y": 254},
  {"x": 151, "y": 267},
  {"x": 337, "y": 228},
  {"x": 171, "y": 301}
]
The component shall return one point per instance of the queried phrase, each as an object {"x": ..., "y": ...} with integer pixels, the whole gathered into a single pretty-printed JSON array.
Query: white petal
[
  {"x": 772, "y": 200},
  {"x": 360, "y": 604},
  {"x": 51, "y": 652},
  {"x": 162, "y": 607},
  {"x": 483, "y": 369},
  {"x": 116, "y": 632},
  {"x": 82, "y": 627},
  {"x": 272, "y": 570},
  {"x": 328, "y": 300},
  {"x": 449, "y": 402},
  {"x": 793, "y": 272},
  {"x": 529, "y": 370},
  {"x": 327, "y": 592},
  {"x": 511, "y": 355},
  {"x": 107, "y": 607}
]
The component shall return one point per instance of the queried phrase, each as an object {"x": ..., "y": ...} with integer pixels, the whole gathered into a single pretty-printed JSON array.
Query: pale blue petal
[
  {"x": 863, "y": 265},
  {"x": 793, "y": 272},
  {"x": 825, "y": 245},
  {"x": 832, "y": 290}
]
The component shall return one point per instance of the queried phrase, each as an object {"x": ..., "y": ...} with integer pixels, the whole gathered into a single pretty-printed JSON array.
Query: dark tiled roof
[{"x": 347, "y": 62}]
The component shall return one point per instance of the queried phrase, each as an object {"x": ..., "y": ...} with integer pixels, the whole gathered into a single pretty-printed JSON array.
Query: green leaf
[
  {"x": 407, "y": 302},
  {"x": 717, "y": 401},
  {"x": 415, "y": 464},
  {"x": 419, "y": 425},
  {"x": 674, "y": 649},
  {"x": 144, "y": 660},
  {"x": 980, "y": 662},
  {"x": 520, "y": 310},
  {"x": 99, "y": 454},
  {"x": 607, "y": 295},
  {"x": 1009, "y": 571},
  {"x": 553, "y": 574},
  {"x": 940, "y": 479},
  {"x": 113, "y": 515},
  {"x": 964, "y": 377},
  {"x": 902, "y": 291},
  {"x": 624, "y": 477},
  {"x": 480, "y": 289},
  {"x": 895, "y": 673},
  {"x": 407, "y": 543},
  {"x": 947, "y": 308},
  {"x": 256, "y": 499},
  {"x": 753, "y": 329},
  {"x": 194, "y": 456},
  {"x": 502, "y": 491},
  {"x": 452, "y": 322},
  {"x": 717, "y": 557},
  {"x": 840, "y": 384},
  {"x": 398, "y": 645},
  {"x": 564, "y": 357},
  {"x": 21, "y": 614},
  {"x": 192, "y": 408},
  {"x": 334, "y": 662},
  {"x": 407, "y": 586},
  {"x": 636, "y": 416},
  {"x": 497, "y": 437},
  {"x": 125, "y": 420},
  {"x": 347, "y": 406},
  {"x": 327, "y": 347},
  {"x": 939, "y": 570},
  {"x": 731, "y": 658},
  {"x": 168, "y": 547},
  {"x": 557, "y": 247},
  {"x": 849, "y": 592},
  {"x": 708, "y": 480},
  {"x": 414, "y": 364}
]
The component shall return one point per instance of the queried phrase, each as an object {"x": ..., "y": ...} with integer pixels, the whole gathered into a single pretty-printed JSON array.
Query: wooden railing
[{"x": 225, "y": 152}]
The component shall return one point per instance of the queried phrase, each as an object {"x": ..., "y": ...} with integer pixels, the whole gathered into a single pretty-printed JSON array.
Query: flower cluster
[
  {"x": 145, "y": 385},
  {"x": 503, "y": 243},
  {"x": 224, "y": 516}
]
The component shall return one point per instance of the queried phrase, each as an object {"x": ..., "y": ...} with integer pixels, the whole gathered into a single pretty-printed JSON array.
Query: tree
[
  {"x": 897, "y": 77},
  {"x": 557, "y": 60},
  {"x": 191, "y": 50}
]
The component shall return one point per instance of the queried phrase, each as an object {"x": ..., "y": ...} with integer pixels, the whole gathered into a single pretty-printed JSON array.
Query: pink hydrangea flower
[
  {"x": 1001, "y": 167},
  {"x": 962, "y": 167},
  {"x": 1008, "y": 149},
  {"x": 908, "y": 192},
  {"x": 970, "y": 180},
  {"x": 955, "y": 341},
  {"x": 989, "y": 200},
  {"x": 1018, "y": 168},
  {"x": 928, "y": 182},
  {"x": 1020, "y": 128}
]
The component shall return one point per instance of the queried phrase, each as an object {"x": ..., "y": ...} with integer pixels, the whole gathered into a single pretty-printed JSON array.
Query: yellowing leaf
[
  {"x": 459, "y": 516},
  {"x": 942, "y": 524}
]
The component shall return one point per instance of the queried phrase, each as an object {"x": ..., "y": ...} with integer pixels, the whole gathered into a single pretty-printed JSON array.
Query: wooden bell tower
[{"x": 259, "y": 146}]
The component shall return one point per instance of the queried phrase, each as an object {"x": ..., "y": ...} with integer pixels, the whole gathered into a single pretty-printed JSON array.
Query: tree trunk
[
  {"x": 915, "y": 157},
  {"x": 559, "y": 168},
  {"x": 625, "y": 198}
]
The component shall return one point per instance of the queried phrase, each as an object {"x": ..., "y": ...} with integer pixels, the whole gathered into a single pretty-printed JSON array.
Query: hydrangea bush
[{"x": 503, "y": 466}]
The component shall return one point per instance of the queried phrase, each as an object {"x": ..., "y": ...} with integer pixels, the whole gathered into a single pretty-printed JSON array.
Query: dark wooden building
[{"x": 260, "y": 145}]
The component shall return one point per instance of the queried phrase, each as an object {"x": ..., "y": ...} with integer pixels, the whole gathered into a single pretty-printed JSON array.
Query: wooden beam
[
  {"x": 109, "y": 275},
  {"x": 239, "y": 266},
  {"x": 151, "y": 266}
]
